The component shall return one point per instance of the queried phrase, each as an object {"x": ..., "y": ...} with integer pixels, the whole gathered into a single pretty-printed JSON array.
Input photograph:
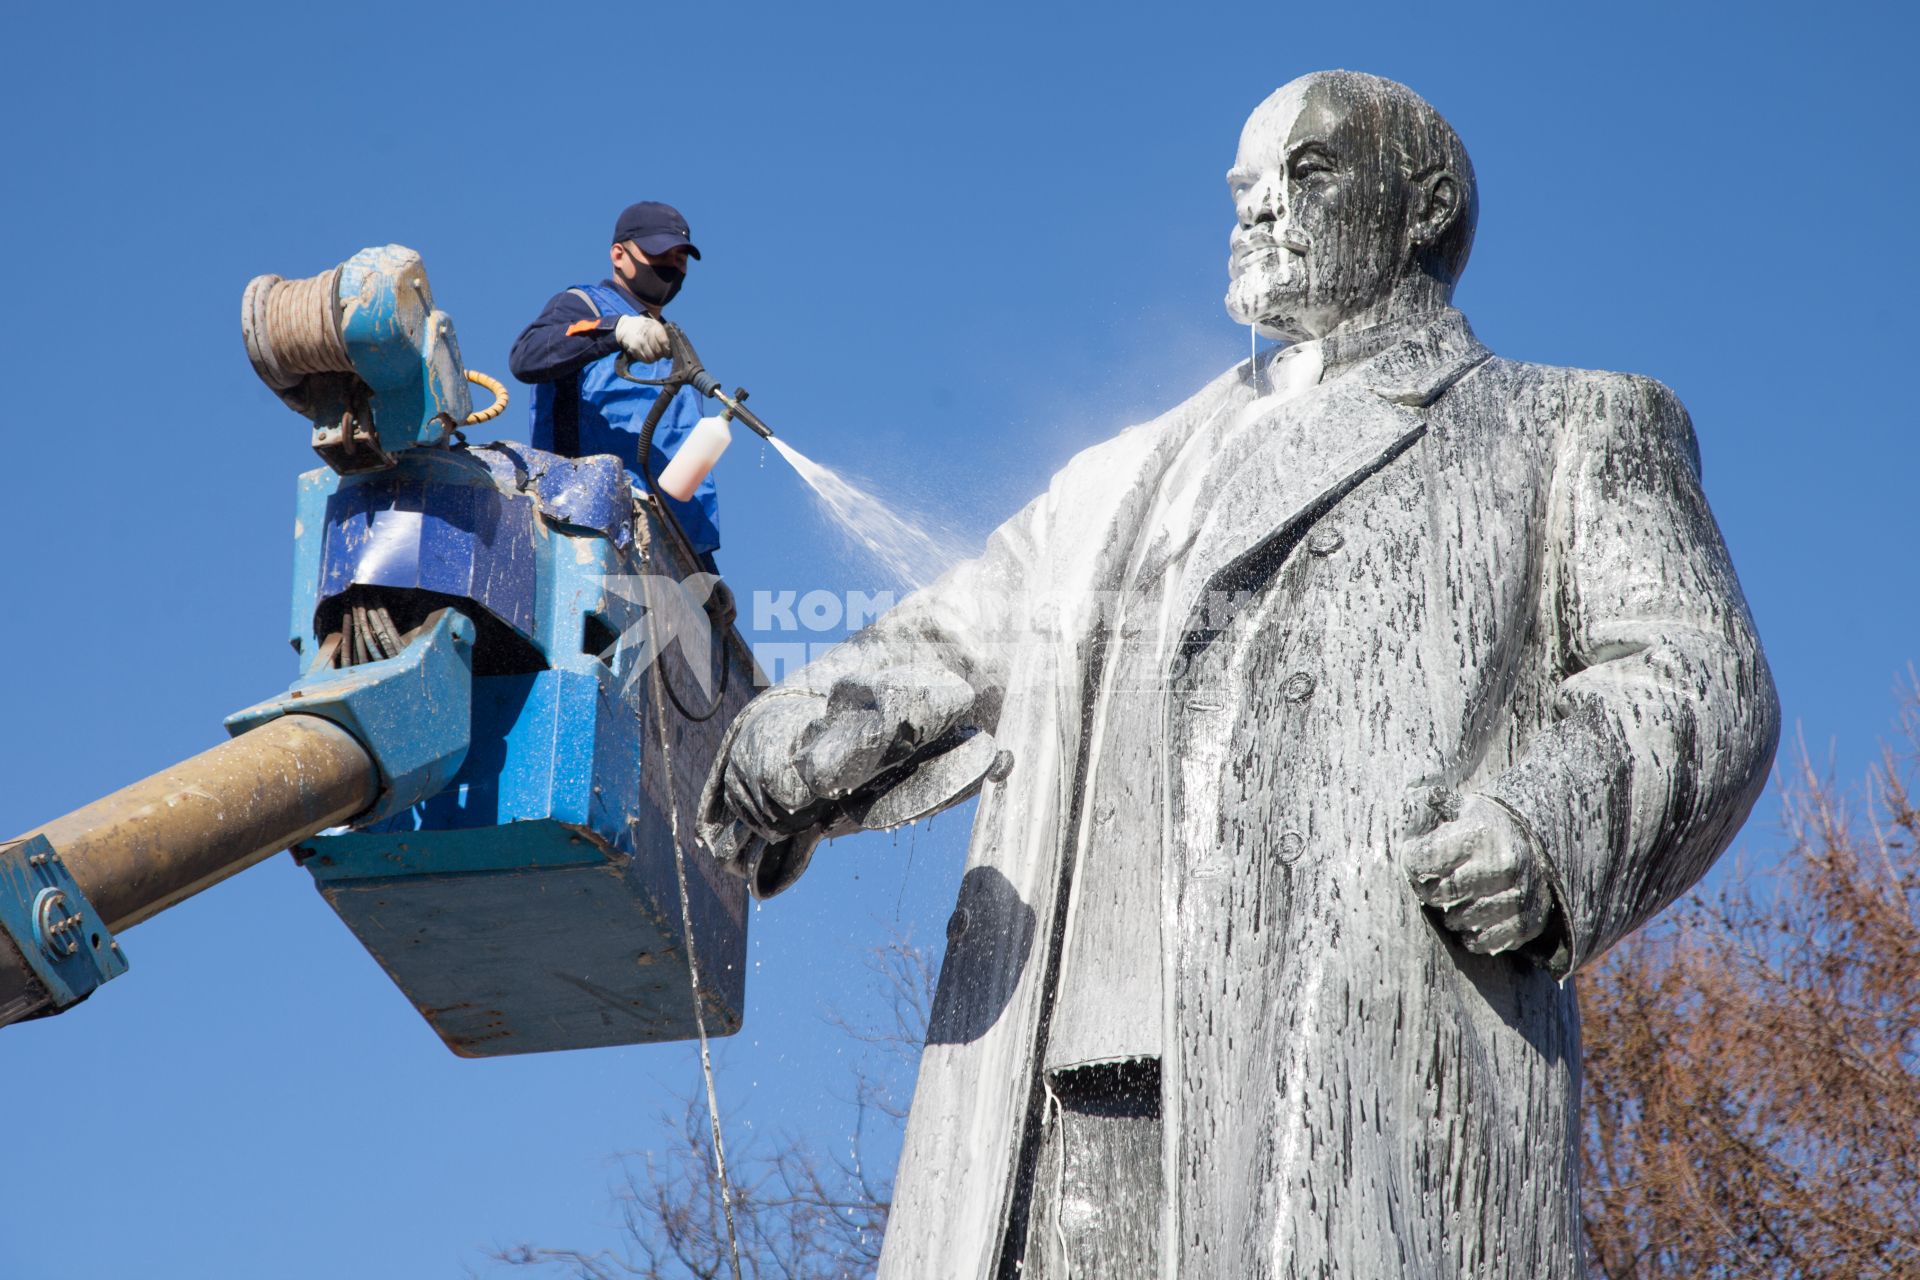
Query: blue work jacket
[{"x": 564, "y": 358}]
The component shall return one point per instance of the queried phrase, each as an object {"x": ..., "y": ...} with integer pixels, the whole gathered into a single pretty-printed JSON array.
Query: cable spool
[{"x": 292, "y": 328}]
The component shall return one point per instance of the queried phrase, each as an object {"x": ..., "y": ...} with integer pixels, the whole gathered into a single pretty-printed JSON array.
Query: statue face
[{"x": 1321, "y": 210}]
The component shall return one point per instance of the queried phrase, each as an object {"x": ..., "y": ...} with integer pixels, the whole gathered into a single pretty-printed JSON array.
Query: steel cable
[
  {"x": 693, "y": 971},
  {"x": 292, "y": 328}
]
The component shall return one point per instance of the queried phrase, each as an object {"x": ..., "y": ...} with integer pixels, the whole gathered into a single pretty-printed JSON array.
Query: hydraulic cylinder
[{"x": 165, "y": 838}]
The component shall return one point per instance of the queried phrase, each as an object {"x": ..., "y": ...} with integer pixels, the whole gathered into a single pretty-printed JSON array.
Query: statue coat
[{"x": 1436, "y": 574}]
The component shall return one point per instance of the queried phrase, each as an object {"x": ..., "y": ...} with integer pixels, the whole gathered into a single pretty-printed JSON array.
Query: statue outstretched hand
[
  {"x": 798, "y": 751},
  {"x": 1480, "y": 870},
  {"x": 876, "y": 751}
]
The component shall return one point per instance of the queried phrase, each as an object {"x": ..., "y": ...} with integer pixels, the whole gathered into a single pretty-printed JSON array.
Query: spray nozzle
[{"x": 736, "y": 409}]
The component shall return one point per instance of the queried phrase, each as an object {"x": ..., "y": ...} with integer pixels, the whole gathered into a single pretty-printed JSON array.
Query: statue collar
[{"x": 1409, "y": 361}]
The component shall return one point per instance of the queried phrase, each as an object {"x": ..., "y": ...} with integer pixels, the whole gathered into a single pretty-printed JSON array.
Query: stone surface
[{"x": 1355, "y": 703}]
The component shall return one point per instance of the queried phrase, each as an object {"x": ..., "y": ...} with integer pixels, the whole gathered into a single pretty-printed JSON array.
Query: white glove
[{"x": 642, "y": 337}]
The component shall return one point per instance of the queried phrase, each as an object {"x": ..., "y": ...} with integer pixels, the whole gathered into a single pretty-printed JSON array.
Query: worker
[{"x": 580, "y": 406}]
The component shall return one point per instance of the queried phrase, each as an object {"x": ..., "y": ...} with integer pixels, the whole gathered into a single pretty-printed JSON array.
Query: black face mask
[{"x": 653, "y": 284}]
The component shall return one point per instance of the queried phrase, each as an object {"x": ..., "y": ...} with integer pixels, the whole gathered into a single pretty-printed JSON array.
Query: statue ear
[{"x": 1437, "y": 204}]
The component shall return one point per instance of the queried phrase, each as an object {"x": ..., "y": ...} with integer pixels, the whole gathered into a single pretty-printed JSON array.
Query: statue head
[{"x": 1355, "y": 205}]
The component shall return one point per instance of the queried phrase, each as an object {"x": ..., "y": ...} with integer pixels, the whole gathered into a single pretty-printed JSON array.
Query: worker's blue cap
[{"x": 655, "y": 227}]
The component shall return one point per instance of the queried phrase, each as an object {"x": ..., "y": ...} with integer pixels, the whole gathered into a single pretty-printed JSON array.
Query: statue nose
[{"x": 1262, "y": 204}]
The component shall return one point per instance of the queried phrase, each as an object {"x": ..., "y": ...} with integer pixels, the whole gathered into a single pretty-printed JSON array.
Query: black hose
[{"x": 669, "y": 388}]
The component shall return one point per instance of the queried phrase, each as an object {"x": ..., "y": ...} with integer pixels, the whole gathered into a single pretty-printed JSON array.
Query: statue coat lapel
[{"x": 1275, "y": 474}]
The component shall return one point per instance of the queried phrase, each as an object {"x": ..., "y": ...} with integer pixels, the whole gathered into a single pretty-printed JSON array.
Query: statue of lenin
[{"x": 1356, "y": 704}]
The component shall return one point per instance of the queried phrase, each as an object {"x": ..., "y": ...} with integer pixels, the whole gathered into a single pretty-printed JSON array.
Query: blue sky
[{"x": 945, "y": 247}]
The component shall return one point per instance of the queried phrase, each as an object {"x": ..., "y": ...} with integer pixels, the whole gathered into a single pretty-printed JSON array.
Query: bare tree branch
[
  {"x": 1753, "y": 1063},
  {"x": 801, "y": 1215}
]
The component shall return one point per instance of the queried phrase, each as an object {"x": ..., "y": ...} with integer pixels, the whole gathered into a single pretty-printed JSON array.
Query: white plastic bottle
[{"x": 701, "y": 449}]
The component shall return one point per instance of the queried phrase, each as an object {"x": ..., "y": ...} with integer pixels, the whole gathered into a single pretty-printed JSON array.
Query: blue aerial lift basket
[
  {"x": 533, "y": 902},
  {"x": 514, "y": 679}
]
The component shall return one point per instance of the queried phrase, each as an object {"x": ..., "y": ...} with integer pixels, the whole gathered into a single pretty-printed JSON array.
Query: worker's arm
[
  {"x": 569, "y": 336},
  {"x": 566, "y": 338}
]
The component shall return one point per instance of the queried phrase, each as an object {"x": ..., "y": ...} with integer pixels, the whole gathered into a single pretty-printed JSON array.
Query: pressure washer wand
[{"x": 688, "y": 371}]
